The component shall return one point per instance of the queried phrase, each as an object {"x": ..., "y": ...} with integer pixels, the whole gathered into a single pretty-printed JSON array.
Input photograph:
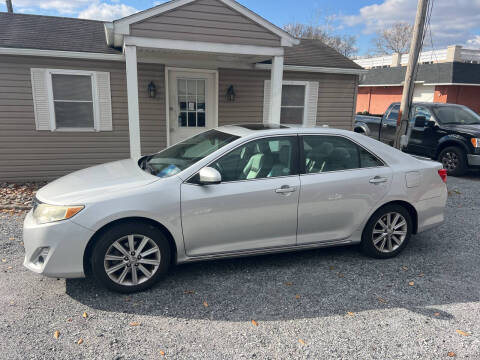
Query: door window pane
[
  {"x": 330, "y": 153},
  {"x": 368, "y": 160},
  {"x": 73, "y": 101},
  {"x": 293, "y": 104},
  {"x": 393, "y": 116},
  {"x": 191, "y": 102},
  {"x": 265, "y": 158}
]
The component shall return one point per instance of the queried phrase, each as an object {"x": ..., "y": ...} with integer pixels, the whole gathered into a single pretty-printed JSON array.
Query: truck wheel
[{"x": 454, "y": 160}]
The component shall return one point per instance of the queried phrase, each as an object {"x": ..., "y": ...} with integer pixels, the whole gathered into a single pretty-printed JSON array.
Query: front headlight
[
  {"x": 476, "y": 142},
  {"x": 44, "y": 213}
]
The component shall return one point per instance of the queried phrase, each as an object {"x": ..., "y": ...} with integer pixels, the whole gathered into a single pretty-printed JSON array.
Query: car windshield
[
  {"x": 456, "y": 115},
  {"x": 179, "y": 157}
]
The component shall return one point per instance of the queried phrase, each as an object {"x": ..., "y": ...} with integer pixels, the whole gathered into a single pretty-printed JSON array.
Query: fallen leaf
[
  {"x": 11, "y": 239},
  {"x": 332, "y": 267},
  {"x": 301, "y": 341},
  {"x": 297, "y": 297},
  {"x": 421, "y": 275},
  {"x": 70, "y": 320},
  {"x": 340, "y": 275},
  {"x": 84, "y": 315},
  {"x": 436, "y": 314},
  {"x": 189, "y": 292},
  {"x": 254, "y": 323},
  {"x": 463, "y": 333},
  {"x": 56, "y": 334},
  {"x": 134, "y": 323},
  {"x": 350, "y": 313},
  {"x": 382, "y": 300},
  {"x": 80, "y": 341},
  {"x": 289, "y": 283},
  {"x": 10, "y": 267},
  {"x": 451, "y": 354},
  {"x": 4, "y": 260},
  {"x": 162, "y": 353},
  {"x": 404, "y": 268},
  {"x": 205, "y": 304},
  {"x": 411, "y": 283}
]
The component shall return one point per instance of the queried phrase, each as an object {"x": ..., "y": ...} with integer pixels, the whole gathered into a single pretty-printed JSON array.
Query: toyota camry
[{"x": 232, "y": 191}]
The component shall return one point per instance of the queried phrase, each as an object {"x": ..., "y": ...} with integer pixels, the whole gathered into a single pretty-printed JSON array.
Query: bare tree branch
[
  {"x": 394, "y": 39},
  {"x": 344, "y": 44}
]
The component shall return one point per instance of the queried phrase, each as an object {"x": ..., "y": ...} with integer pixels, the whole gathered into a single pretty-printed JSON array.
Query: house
[
  {"x": 75, "y": 93},
  {"x": 450, "y": 75}
]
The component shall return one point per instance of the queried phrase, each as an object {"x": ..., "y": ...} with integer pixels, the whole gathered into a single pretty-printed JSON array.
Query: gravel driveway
[{"x": 331, "y": 303}]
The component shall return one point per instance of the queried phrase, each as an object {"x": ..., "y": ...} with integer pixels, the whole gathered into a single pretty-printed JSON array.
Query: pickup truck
[{"x": 448, "y": 133}]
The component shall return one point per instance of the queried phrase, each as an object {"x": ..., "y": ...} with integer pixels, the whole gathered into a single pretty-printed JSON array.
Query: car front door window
[{"x": 259, "y": 159}]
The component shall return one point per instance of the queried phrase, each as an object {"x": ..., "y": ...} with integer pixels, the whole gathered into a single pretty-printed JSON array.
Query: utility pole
[
  {"x": 409, "y": 84},
  {"x": 9, "y": 6}
]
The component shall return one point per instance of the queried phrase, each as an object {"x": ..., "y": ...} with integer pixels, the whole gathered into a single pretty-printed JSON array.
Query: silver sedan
[{"x": 232, "y": 191}]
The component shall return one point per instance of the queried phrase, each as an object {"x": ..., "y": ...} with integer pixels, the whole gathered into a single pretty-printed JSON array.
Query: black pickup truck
[{"x": 445, "y": 132}]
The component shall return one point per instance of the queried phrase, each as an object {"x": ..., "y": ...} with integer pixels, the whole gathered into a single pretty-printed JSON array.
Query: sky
[{"x": 453, "y": 21}]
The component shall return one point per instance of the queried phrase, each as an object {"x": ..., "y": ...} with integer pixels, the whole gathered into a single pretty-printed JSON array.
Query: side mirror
[
  {"x": 209, "y": 176},
  {"x": 430, "y": 123},
  {"x": 420, "y": 121}
]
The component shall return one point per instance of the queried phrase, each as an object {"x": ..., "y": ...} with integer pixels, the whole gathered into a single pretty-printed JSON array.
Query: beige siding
[
  {"x": 205, "y": 20},
  {"x": 335, "y": 99},
  {"x": 27, "y": 154}
]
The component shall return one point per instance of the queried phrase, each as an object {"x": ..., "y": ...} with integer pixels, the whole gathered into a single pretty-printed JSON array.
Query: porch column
[
  {"x": 132, "y": 93},
  {"x": 276, "y": 89}
]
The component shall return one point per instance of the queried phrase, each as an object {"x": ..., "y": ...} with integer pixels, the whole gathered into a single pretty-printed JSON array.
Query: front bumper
[
  {"x": 66, "y": 243},
  {"x": 473, "y": 160}
]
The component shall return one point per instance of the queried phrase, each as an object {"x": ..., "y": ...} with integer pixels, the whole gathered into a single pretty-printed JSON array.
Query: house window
[
  {"x": 73, "y": 101},
  {"x": 293, "y": 104}
]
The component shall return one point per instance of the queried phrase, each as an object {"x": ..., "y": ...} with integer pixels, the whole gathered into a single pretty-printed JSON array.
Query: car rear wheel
[
  {"x": 454, "y": 160},
  {"x": 387, "y": 232},
  {"x": 130, "y": 257}
]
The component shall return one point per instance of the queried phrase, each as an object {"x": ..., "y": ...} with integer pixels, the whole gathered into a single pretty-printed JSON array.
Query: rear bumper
[
  {"x": 65, "y": 243},
  {"x": 473, "y": 160},
  {"x": 431, "y": 212}
]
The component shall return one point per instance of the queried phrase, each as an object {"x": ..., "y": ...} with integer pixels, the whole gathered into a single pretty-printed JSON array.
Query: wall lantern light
[
  {"x": 152, "y": 90},
  {"x": 230, "y": 96}
]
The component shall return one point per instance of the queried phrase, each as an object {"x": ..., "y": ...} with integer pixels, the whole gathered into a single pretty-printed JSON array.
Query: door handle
[
  {"x": 384, "y": 124},
  {"x": 285, "y": 189},
  {"x": 378, "y": 180}
]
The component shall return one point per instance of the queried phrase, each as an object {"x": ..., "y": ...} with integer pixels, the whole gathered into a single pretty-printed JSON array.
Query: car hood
[
  {"x": 468, "y": 129},
  {"x": 89, "y": 184}
]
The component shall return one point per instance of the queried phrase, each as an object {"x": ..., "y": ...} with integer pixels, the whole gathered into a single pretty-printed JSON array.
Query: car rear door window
[{"x": 325, "y": 153}]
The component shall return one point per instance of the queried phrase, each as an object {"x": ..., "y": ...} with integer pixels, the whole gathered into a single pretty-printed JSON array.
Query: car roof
[{"x": 244, "y": 130}]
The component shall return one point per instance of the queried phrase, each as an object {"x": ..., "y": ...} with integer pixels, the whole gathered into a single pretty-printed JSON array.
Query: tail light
[{"x": 443, "y": 174}]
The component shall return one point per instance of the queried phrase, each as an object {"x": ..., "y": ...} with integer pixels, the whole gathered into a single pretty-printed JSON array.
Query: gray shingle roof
[
  {"x": 70, "y": 34},
  {"x": 316, "y": 53},
  {"x": 52, "y": 33}
]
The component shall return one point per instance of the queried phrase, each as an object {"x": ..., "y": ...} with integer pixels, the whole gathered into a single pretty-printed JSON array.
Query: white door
[
  {"x": 424, "y": 93},
  {"x": 193, "y": 103}
]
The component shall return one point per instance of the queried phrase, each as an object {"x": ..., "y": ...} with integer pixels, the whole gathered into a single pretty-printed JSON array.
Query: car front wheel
[
  {"x": 387, "y": 232},
  {"x": 130, "y": 257}
]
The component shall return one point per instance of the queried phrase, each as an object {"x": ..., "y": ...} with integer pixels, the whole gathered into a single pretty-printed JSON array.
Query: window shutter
[
  {"x": 312, "y": 103},
  {"x": 104, "y": 101},
  {"x": 266, "y": 101},
  {"x": 41, "y": 101}
]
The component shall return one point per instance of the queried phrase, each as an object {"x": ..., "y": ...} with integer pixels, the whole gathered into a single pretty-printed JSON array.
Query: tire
[
  {"x": 393, "y": 242},
  {"x": 116, "y": 243},
  {"x": 454, "y": 160}
]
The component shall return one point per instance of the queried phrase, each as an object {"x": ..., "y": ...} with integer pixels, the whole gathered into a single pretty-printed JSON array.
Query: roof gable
[{"x": 227, "y": 8}]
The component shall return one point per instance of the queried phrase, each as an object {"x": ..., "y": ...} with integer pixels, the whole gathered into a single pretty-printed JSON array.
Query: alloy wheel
[
  {"x": 132, "y": 260},
  {"x": 450, "y": 161},
  {"x": 389, "y": 232}
]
